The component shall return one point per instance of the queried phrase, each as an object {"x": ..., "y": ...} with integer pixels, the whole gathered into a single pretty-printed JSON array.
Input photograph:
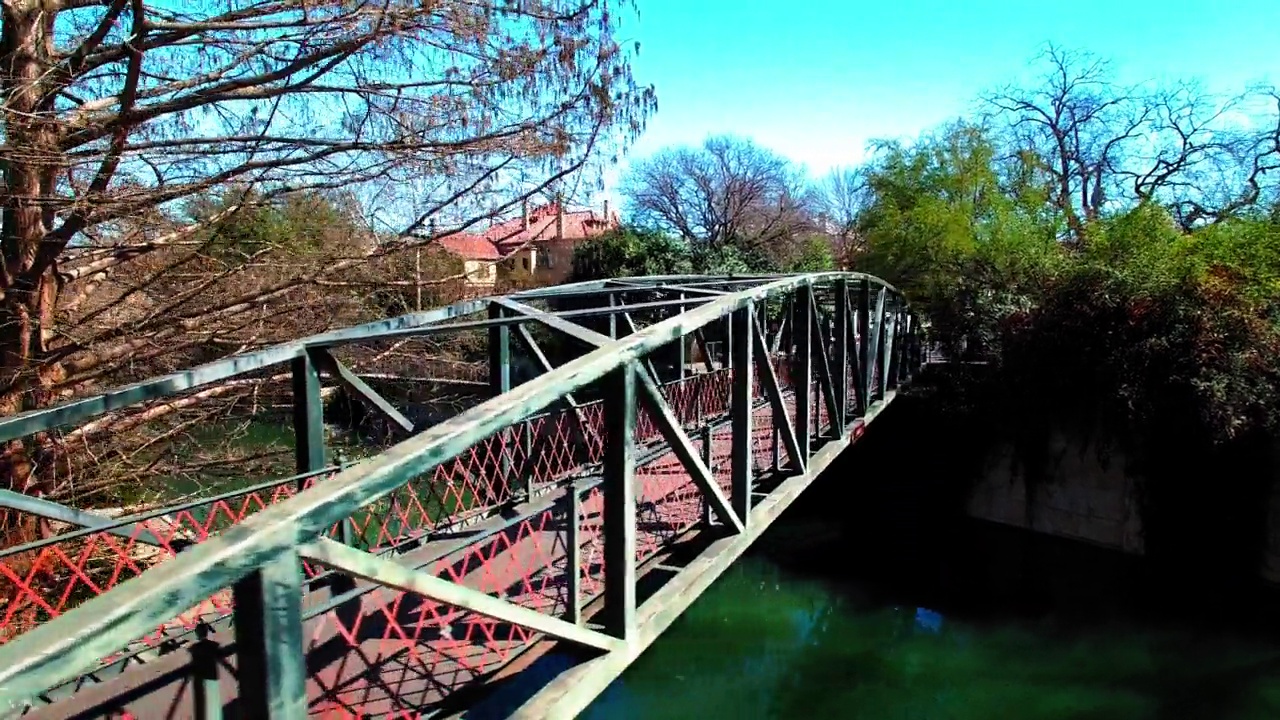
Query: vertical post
[
  {"x": 728, "y": 341},
  {"x": 573, "y": 557},
  {"x": 777, "y": 448},
  {"x": 268, "y": 631},
  {"x": 308, "y": 430},
  {"x": 904, "y": 362},
  {"x": 680, "y": 358},
  {"x": 917, "y": 345},
  {"x": 204, "y": 664},
  {"x": 527, "y": 438},
  {"x": 876, "y": 349},
  {"x": 619, "y": 612},
  {"x": 613, "y": 317},
  {"x": 708, "y": 458},
  {"x": 840, "y": 338},
  {"x": 890, "y": 353},
  {"x": 741, "y": 405},
  {"x": 499, "y": 383},
  {"x": 864, "y": 345},
  {"x": 308, "y": 417},
  {"x": 802, "y": 376},
  {"x": 499, "y": 352}
]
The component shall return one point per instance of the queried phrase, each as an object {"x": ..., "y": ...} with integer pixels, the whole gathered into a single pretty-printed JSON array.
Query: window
[{"x": 524, "y": 263}]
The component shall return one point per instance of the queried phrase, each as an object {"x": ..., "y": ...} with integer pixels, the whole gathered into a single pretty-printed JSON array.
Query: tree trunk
[{"x": 28, "y": 280}]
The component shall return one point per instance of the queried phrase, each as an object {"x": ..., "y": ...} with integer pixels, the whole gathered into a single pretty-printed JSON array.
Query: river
[{"x": 771, "y": 640}]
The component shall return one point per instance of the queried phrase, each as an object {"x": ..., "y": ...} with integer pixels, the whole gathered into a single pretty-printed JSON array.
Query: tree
[
  {"x": 1077, "y": 123},
  {"x": 1094, "y": 144},
  {"x": 841, "y": 196},
  {"x": 730, "y": 191},
  {"x": 117, "y": 112},
  {"x": 629, "y": 252}
]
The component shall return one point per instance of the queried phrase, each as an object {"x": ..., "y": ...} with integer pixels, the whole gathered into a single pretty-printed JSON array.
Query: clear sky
[{"x": 817, "y": 79}]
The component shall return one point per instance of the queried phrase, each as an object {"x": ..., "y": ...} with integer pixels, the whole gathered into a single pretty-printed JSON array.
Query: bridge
[{"x": 514, "y": 557}]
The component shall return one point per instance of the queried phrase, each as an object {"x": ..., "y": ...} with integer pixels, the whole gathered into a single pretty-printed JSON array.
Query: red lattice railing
[{"x": 408, "y": 649}]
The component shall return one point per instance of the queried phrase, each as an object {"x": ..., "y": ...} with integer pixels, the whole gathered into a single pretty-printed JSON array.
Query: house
[
  {"x": 539, "y": 244},
  {"x": 479, "y": 258}
]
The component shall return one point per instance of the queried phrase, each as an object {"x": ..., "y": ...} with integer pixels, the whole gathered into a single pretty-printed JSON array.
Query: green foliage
[
  {"x": 629, "y": 252},
  {"x": 297, "y": 224},
  {"x": 814, "y": 254},
  {"x": 1139, "y": 326}
]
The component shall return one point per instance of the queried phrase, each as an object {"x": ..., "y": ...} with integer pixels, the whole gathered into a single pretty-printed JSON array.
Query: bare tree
[
  {"x": 116, "y": 112},
  {"x": 1200, "y": 161},
  {"x": 1077, "y": 122},
  {"x": 1093, "y": 141},
  {"x": 727, "y": 191},
  {"x": 841, "y": 196}
]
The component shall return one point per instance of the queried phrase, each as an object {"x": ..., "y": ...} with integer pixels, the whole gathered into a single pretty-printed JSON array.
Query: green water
[{"x": 768, "y": 641}]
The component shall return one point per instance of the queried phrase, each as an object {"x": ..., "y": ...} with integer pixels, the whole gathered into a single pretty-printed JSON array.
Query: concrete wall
[{"x": 1084, "y": 495}]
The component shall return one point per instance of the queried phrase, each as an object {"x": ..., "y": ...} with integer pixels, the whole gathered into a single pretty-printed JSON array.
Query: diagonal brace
[
  {"x": 824, "y": 370},
  {"x": 579, "y": 421},
  {"x": 679, "y": 441},
  {"x": 343, "y": 374},
  {"x": 582, "y": 334},
  {"x": 392, "y": 574},
  {"x": 781, "y": 420},
  {"x": 631, "y": 326},
  {"x": 50, "y": 510}
]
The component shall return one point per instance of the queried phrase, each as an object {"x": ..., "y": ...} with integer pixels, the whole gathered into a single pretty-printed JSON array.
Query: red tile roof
[
  {"x": 578, "y": 225},
  {"x": 470, "y": 247},
  {"x": 505, "y": 237}
]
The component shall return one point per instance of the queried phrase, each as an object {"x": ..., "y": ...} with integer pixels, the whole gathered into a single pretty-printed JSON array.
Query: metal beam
[
  {"x": 509, "y": 321},
  {"x": 583, "y": 428},
  {"x": 865, "y": 358},
  {"x": 62, "y": 513},
  {"x": 802, "y": 374},
  {"x": 700, "y": 340},
  {"x": 742, "y": 406},
  {"x": 33, "y": 421},
  {"x": 633, "y": 329},
  {"x": 270, "y": 657},
  {"x": 619, "y": 516},
  {"x": 825, "y": 384},
  {"x": 840, "y": 330},
  {"x": 682, "y": 446},
  {"x": 392, "y": 574},
  {"x": 773, "y": 390},
  {"x": 328, "y": 363},
  {"x": 582, "y": 334},
  {"x": 874, "y": 346}
]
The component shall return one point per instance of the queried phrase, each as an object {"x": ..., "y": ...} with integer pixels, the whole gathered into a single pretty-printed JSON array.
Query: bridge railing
[{"x": 266, "y": 561}]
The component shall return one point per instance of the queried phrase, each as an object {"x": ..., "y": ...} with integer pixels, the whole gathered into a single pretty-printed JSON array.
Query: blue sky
[{"x": 817, "y": 79}]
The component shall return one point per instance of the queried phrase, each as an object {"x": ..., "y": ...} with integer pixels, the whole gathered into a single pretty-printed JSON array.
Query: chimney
[
  {"x": 606, "y": 212},
  {"x": 559, "y": 217},
  {"x": 524, "y": 212}
]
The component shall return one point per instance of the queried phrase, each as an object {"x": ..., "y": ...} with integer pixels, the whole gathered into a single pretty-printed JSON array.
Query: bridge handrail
[{"x": 73, "y": 643}]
